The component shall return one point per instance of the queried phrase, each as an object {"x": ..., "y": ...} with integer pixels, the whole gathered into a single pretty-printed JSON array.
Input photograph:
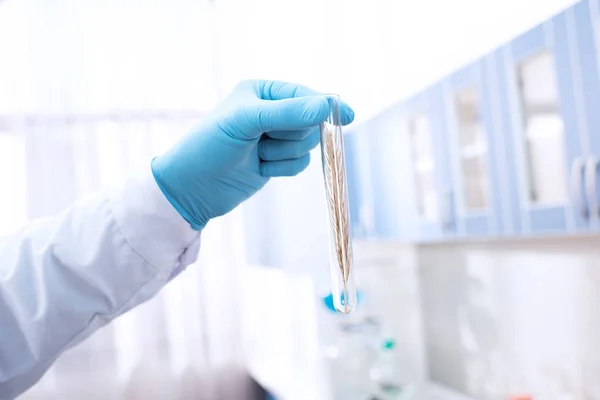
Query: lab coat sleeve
[{"x": 64, "y": 277}]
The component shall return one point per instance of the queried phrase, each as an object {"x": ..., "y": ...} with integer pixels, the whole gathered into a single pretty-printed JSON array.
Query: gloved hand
[{"x": 263, "y": 129}]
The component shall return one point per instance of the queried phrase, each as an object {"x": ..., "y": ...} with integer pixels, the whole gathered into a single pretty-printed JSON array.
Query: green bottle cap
[{"x": 389, "y": 344}]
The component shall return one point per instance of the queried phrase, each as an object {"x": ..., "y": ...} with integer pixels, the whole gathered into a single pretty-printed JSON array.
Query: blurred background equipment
[{"x": 472, "y": 176}]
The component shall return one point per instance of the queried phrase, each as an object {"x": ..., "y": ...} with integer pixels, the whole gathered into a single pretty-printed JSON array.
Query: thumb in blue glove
[{"x": 263, "y": 129}]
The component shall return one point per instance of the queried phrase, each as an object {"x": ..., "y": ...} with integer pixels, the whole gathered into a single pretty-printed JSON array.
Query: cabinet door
[
  {"x": 542, "y": 132},
  {"x": 584, "y": 26},
  {"x": 471, "y": 132},
  {"x": 431, "y": 179},
  {"x": 355, "y": 189},
  {"x": 389, "y": 162}
]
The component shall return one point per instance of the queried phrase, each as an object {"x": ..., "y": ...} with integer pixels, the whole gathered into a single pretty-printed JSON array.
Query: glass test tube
[{"x": 341, "y": 261}]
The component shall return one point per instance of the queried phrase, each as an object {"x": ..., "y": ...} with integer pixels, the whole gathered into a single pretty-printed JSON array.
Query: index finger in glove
[
  {"x": 280, "y": 90},
  {"x": 296, "y": 113}
]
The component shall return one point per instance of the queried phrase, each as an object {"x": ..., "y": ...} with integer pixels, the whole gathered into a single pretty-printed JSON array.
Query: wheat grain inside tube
[{"x": 334, "y": 171}]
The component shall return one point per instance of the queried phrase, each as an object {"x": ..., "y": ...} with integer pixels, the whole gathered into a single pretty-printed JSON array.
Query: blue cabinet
[
  {"x": 356, "y": 191},
  {"x": 392, "y": 191},
  {"x": 549, "y": 109},
  {"x": 372, "y": 164},
  {"x": 507, "y": 146},
  {"x": 381, "y": 183},
  {"x": 540, "y": 124},
  {"x": 359, "y": 167},
  {"x": 424, "y": 129},
  {"x": 584, "y": 24},
  {"x": 472, "y": 129}
]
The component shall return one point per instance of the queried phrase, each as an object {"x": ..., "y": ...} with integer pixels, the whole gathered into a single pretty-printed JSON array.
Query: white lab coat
[{"x": 64, "y": 277}]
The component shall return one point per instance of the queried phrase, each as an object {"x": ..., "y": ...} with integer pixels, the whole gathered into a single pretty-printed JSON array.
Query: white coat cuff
[{"x": 151, "y": 225}]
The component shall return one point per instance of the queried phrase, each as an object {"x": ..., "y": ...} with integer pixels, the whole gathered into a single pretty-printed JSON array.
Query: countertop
[{"x": 282, "y": 353}]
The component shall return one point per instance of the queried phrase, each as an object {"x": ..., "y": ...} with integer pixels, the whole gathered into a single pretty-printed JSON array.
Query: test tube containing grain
[{"x": 341, "y": 261}]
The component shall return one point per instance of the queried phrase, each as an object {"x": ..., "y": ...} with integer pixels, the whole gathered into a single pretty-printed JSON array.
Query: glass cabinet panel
[
  {"x": 472, "y": 148},
  {"x": 544, "y": 130},
  {"x": 423, "y": 166}
]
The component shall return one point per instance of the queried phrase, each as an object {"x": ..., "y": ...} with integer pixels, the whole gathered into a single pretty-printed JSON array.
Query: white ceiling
[{"x": 371, "y": 52}]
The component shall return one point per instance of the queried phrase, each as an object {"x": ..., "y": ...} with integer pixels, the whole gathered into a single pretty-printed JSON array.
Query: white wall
[{"x": 371, "y": 52}]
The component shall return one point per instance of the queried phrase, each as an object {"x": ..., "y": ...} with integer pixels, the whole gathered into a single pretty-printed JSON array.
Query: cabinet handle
[
  {"x": 591, "y": 178},
  {"x": 447, "y": 209},
  {"x": 577, "y": 172}
]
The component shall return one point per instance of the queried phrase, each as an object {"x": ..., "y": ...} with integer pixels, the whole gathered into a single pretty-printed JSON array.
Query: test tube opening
[{"x": 334, "y": 117}]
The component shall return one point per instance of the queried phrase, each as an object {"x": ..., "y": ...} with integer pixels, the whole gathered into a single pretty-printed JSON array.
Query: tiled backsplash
[
  {"x": 513, "y": 317},
  {"x": 489, "y": 319}
]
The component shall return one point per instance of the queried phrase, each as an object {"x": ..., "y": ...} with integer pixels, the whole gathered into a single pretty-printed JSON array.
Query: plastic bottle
[{"x": 385, "y": 375}]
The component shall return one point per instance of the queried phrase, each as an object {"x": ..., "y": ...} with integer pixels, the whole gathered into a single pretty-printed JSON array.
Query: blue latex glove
[{"x": 263, "y": 129}]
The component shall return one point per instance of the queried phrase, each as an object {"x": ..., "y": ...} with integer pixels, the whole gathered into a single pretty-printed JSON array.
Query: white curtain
[{"x": 88, "y": 92}]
